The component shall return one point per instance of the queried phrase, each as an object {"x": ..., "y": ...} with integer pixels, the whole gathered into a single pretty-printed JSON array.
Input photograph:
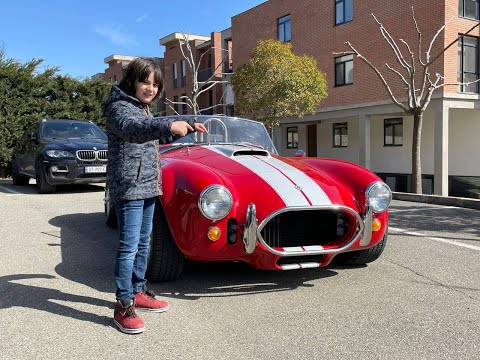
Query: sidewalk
[{"x": 438, "y": 200}]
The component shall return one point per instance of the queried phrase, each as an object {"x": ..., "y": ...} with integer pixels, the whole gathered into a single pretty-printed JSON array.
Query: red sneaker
[
  {"x": 145, "y": 301},
  {"x": 126, "y": 318}
]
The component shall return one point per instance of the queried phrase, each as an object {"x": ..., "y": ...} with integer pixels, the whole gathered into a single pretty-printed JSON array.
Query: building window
[
  {"x": 393, "y": 132},
  {"x": 184, "y": 103},
  {"x": 340, "y": 135},
  {"x": 284, "y": 29},
  {"x": 468, "y": 53},
  {"x": 292, "y": 137},
  {"x": 175, "y": 104},
  {"x": 469, "y": 9},
  {"x": 175, "y": 75},
  {"x": 184, "y": 72},
  {"x": 344, "y": 70},
  {"x": 343, "y": 11}
]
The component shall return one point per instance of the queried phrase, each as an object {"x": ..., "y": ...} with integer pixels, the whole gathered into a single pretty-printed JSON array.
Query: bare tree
[
  {"x": 414, "y": 67},
  {"x": 199, "y": 87}
]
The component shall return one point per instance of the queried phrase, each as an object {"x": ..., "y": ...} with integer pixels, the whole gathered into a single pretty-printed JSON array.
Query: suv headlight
[
  {"x": 215, "y": 202},
  {"x": 58, "y": 153},
  {"x": 378, "y": 196}
]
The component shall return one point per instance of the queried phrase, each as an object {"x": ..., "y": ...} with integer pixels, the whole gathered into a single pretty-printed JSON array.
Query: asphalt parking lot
[{"x": 420, "y": 300}]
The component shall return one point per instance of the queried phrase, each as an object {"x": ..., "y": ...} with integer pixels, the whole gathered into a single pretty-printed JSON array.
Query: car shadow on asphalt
[
  {"x": 7, "y": 187},
  {"x": 15, "y": 294},
  {"x": 88, "y": 249},
  {"x": 200, "y": 280}
]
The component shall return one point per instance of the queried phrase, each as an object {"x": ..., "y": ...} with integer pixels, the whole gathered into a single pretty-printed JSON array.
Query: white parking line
[
  {"x": 394, "y": 211},
  {"x": 11, "y": 192},
  {"x": 446, "y": 241}
]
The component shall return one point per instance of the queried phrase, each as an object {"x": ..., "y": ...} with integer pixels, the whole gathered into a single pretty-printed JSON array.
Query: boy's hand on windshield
[
  {"x": 199, "y": 127},
  {"x": 180, "y": 128}
]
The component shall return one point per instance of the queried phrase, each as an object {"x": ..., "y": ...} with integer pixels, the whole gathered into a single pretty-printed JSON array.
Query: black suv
[{"x": 57, "y": 152}]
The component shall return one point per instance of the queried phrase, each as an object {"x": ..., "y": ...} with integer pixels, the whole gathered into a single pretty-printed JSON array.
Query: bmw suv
[{"x": 57, "y": 152}]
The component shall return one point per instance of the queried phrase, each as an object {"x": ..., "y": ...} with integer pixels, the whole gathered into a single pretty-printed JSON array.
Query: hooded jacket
[{"x": 133, "y": 170}]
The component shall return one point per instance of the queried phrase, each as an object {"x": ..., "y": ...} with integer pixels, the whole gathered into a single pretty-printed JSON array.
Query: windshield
[
  {"x": 228, "y": 130},
  {"x": 71, "y": 130}
]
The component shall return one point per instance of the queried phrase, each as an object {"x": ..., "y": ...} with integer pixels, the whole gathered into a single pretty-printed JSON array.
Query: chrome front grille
[
  {"x": 296, "y": 228},
  {"x": 91, "y": 155}
]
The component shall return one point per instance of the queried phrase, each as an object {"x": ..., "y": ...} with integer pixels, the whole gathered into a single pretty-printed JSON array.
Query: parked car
[
  {"x": 229, "y": 196},
  {"x": 57, "y": 152}
]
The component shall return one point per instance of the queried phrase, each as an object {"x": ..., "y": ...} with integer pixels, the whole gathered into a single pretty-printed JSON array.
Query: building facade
[
  {"x": 208, "y": 59},
  {"x": 114, "y": 74},
  {"x": 358, "y": 121}
]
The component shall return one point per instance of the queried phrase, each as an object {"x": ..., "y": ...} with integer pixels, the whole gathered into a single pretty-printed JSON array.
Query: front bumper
[
  {"x": 71, "y": 172},
  {"x": 360, "y": 232}
]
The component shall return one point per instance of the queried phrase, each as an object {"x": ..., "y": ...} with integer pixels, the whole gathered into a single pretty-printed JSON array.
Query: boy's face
[{"x": 146, "y": 90}]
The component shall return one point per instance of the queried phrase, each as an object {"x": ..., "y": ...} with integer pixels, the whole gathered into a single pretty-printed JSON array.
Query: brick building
[
  {"x": 114, "y": 74},
  {"x": 212, "y": 56},
  {"x": 358, "y": 121}
]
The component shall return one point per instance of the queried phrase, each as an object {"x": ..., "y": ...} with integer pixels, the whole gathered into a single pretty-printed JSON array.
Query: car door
[{"x": 27, "y": 151}]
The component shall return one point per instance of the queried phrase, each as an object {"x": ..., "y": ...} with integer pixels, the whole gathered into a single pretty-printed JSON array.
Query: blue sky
[{"x": 77, "y": 36}]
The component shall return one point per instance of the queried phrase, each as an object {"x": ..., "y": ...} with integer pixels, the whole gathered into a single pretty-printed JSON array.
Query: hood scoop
[{"x": 250, "y": 152}]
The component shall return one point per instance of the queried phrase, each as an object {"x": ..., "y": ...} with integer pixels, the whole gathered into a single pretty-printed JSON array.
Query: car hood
[
  {"x": 298, "y": 184},
  {"x": 73, "y": 145}
]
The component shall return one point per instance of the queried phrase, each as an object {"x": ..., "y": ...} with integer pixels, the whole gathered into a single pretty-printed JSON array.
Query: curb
[{"x": 438, "y": 200}]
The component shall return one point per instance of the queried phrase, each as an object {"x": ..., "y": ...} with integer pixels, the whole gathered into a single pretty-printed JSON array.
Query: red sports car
[{"x": 229, "y": 196}]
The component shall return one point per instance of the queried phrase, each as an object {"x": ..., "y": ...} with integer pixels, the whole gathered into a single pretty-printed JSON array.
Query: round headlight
[
  {"x": 378, "y": 196},
  {"x": 215, "y": 202}
]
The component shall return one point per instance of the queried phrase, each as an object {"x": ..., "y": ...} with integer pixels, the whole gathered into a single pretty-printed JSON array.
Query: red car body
[{"x": 286, "y": 212}]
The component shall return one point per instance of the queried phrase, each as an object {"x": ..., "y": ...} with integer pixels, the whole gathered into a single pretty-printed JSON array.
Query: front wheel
[
  {"x": 166, "y": 259},
  {"x": 362, "y": 257},
  {"x": 43, "y": 187}
]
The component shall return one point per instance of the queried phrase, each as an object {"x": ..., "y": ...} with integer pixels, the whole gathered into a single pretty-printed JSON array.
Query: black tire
[
  {"x": 18, "y": 179},
  {"x": 362, "y": 257},
  {"x": 110, "y": 213},
  {"x": 166, "y": 260},
  {"x": 43, "y": 187}
]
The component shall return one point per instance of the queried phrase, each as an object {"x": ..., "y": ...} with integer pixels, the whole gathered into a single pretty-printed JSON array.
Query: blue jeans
[{"x": 135, "y": 222}]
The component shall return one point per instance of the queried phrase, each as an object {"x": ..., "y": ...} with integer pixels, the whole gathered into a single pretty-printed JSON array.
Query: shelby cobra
[{"x": 228, "y": 196}]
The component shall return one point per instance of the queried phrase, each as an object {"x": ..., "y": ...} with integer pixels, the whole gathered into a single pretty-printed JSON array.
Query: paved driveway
[{"x": 420, "y": 300}]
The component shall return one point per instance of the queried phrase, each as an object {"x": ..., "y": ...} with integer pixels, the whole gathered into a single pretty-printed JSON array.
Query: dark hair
[{"x": 139, "y": 70}]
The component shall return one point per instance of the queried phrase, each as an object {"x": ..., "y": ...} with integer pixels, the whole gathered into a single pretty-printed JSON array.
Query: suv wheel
[
  {"x": 17, "y": 178},
  {"x": 43, "y": 187}
]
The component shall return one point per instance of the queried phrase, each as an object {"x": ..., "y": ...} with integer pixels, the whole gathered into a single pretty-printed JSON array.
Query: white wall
[
  {"x": 325, "y": 140},
  {"x": 464, "y": 142}
]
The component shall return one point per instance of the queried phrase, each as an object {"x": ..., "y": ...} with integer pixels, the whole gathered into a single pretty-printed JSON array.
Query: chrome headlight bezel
[
  {"x": 378, "y": 196},
  {"x": 215, "y": 202}
]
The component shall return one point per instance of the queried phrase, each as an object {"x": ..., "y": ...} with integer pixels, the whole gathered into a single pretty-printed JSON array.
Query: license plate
[{"x": 95, "y": 169}]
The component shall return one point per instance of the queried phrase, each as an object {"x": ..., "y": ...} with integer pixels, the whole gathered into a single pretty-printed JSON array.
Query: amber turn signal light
[
  {"x": 214, "y": 233},
  {"x": 376, "y": 225}
]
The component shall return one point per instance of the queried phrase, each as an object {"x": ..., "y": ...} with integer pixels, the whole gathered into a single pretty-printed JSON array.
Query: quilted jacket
[{"x": 133, "y": 170}]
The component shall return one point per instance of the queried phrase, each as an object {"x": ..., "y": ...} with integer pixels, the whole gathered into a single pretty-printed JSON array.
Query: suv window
[{"x": 69, "y": 130}]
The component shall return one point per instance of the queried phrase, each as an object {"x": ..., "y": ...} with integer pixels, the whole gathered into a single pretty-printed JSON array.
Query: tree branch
[{"x": 385, "y": 84}]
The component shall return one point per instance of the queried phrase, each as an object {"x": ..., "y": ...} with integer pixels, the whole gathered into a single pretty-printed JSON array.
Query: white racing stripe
[
  {"x": 292, "y": 185},
  {"x": 281, "y": 184},
  {"x": 310, "y": 188}
]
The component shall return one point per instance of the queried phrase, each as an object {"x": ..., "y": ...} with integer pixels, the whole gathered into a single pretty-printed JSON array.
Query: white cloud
[
  {"x": 115, "y": 34},
  {"x": 141, "y": 19}
]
